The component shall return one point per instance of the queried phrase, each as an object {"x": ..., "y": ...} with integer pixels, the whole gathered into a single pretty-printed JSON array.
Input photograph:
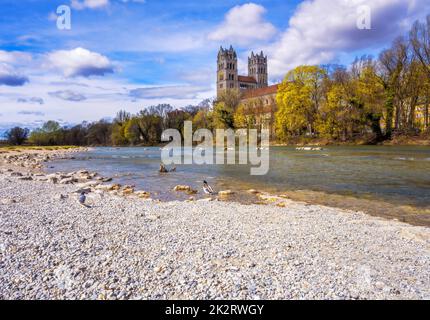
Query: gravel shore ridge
[{"x": 129, "y": 247}]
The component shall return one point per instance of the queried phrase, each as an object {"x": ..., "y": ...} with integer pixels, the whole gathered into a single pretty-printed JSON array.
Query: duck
[
  {"x": 82, "y": 198},
  {"x": 207, "y": 189}
]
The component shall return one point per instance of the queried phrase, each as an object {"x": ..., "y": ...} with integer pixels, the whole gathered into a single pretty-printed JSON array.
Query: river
[{"x": 393, "y": 177}]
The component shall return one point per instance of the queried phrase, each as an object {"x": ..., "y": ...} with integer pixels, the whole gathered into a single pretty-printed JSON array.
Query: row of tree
[
  {"x": 144, "y": 128},
  {"x": 374, "y": 97},
  {"x": 372, "y": 100}
]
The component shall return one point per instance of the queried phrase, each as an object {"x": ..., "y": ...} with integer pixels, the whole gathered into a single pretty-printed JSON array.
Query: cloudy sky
[{"x": 130, "y": 54}]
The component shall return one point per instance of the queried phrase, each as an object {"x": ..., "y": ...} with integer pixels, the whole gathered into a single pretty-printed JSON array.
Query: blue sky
[{"x": 130, "y": 54}]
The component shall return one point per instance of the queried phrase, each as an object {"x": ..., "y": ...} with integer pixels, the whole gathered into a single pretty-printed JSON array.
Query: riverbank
[
  {"x": 126, "y": 246},
  {"x": 44, "y": 164},
  {"x": 397, "y": 140}
]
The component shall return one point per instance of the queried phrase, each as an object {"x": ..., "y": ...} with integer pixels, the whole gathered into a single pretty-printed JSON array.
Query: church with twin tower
[
  {"x": 257, "y": 96},
  {"x": 228, "y": 77}
]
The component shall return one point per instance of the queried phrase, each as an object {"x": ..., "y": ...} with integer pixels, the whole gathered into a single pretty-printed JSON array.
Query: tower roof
[
  {"x": 257, "y": 55},
  {"x": 223, "y": 52}
]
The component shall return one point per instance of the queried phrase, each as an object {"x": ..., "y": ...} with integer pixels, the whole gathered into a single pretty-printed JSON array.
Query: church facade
[
  {"x": 228, "y": 77},
  {"x": 257, "y": 95}
]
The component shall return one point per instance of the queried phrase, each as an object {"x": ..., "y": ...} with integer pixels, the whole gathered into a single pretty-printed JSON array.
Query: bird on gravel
[
  {"x": 82, "y": 198},
  {"x": 207, "y": 188}
]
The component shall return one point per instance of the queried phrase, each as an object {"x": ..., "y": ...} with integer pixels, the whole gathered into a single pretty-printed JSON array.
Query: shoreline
[
  {"x": 129, "y": 247},
  {"x": 30, "y": 162}
]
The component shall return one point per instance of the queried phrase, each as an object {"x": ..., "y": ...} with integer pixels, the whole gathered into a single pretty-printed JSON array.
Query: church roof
[
  {"x": 260, "y": 92},
  {"x": 246, "y": 79}
]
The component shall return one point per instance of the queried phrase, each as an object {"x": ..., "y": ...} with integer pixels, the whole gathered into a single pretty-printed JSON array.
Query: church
[{"x": 257, "y": 95}]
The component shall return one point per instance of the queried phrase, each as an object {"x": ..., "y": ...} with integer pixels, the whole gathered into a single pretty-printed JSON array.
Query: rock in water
[{"x": 182, "y": 188}]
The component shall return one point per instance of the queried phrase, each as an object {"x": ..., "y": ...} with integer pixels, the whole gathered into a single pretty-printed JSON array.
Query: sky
[{"x": 131, "y": 54}]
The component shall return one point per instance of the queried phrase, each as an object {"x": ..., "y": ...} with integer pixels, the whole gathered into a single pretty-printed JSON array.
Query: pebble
[{"x": 128, "y": 248}]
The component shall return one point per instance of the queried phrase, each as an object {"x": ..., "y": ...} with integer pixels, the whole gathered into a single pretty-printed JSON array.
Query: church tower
[
  {"x": 227, "y": 73},
  {"x": 257, "y": 68}
]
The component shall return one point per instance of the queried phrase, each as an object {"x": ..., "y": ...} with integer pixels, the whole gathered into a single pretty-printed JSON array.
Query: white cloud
[
  {"x": 80, "y": 62},
  {"x": 68, "y": 95},
  {"x": 319, "y": 30},
  {"x": 31, "y": 113},
  {"x": 168, "y": 92},
  {"x": 243, "y": 25},
  {"x": 97, "y": 4},
  {"x": 14, "y": 56},
  {"x": 89, "y": 4},
  {"x": 10, "y": 77},
  {"x": 31, "y": 100}
]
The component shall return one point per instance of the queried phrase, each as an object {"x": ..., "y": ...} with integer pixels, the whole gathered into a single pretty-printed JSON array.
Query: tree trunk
[
  {"x": 389, "y": 107},
  {"x": 426, "y": 114},
  {"x": 397, "y": 120},
  {"x": 413, "y": 106}
]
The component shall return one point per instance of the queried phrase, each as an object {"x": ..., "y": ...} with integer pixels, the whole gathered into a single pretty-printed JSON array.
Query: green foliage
[
  {"x": 244, "y": 117},
  {"x": 17, "y": 136},
  {"x": 223, "y": 116},
  {"x": 299, "y": 98},
  {"x": 49, "y": 135},
  {"x": 203, "y": 119},
  {"x": 372, "y": 100}
]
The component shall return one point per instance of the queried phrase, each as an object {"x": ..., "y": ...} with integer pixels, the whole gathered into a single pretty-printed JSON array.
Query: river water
[{"x": 396, "y": 176}]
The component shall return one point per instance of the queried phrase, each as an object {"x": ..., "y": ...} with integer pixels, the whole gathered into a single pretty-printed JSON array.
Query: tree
[
  {"x": 230, "y": 98},
  {"x": 420, "y": 40},
  {"x": 17, "y": 136},
  {"x": 392, "y": 64},
  {"x": 118, "y": 128},
  {"x": 132, "y": 131},
  {"x": 50, "y": 134},
  {"x": 203, "y": 119},
  {"x": 223, "y": 116},
  {"x": 206, "y": 105},
  {"x": 76, "y": 135},
  {"x": 338, "y": 117},
  {"x": 244, "y": 117},
  {"x": 370, "y": 96},
  {"x": 118, "y": 136},
  {"x": 99, "y": 133},
  {"x": 176, "y": 119},
  {"x": 299, "y": 99}
]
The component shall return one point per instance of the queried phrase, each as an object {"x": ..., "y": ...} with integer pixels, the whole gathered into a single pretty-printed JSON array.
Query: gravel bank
[{"x": 128, "y": 248}]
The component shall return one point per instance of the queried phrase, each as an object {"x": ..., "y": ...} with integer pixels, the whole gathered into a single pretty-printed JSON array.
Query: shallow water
[{"x": 396, "y": 175}]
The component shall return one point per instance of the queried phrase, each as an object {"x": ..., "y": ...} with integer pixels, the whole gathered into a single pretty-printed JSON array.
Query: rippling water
[{"x": 398, "y": 175}]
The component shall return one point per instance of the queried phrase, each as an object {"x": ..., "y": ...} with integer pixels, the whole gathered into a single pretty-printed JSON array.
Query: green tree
[
  {"x": 50, "y": 134},
  {"x": 203, "y": 119},
  {"x": 299, "y": 99},
  {"x": 132, "y": 131},
  {"x": 118, "y": 136},
  {"x": 17, "y": 136},
  {"x": 223, "y": 116},
  {"x": 99, "y": 133}
]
